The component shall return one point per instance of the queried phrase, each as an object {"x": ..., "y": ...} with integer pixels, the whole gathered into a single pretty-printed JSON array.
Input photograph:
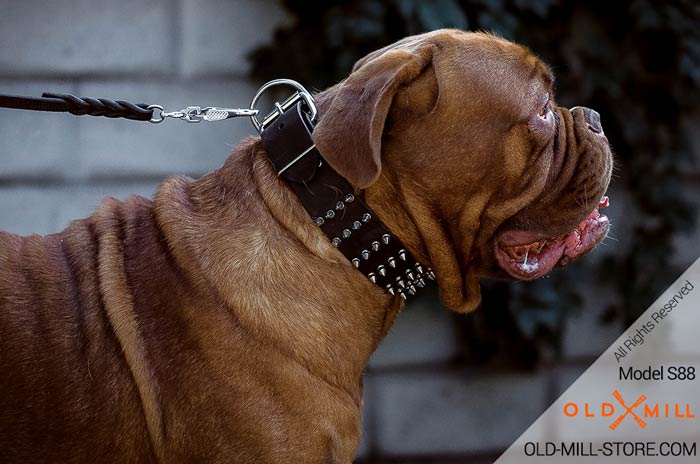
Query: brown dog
[{"x": 218, "y": 324}]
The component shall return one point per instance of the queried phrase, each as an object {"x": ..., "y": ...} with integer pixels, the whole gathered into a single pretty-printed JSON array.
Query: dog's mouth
[{"x": 527, "y": 255}]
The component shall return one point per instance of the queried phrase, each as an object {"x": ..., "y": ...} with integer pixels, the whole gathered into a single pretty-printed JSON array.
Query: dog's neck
[{"x": 275, "y": 270}]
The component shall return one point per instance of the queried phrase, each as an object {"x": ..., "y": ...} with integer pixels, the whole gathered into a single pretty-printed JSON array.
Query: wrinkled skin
[
  {"x": 475, "y": 155},
  {"x": 217, "y": 323}
]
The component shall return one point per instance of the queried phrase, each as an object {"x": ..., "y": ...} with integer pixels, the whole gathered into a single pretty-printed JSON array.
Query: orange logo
[
  {"x": 622, "y": 411},
  {"x": 629, "y": 410}
]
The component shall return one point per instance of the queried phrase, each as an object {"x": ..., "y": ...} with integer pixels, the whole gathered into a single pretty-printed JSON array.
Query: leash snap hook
[
  {"x": 195, "y": 114},
  {"x": 189, "y": 114}
]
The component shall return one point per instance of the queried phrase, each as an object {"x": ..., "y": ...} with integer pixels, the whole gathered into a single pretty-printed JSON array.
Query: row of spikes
[
  {"x": 356, "y": 225},
  {"x": 414, "y": 277}
]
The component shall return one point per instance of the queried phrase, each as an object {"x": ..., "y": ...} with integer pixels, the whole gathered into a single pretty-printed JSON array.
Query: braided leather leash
[
  {"x": 58, "y": 102},
  {"x": 103, "y": 107},
  {"x": 66, "y": 103}
]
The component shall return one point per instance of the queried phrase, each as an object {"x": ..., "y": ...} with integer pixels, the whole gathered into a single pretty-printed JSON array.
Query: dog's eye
[{"x": 544, "y": 112}]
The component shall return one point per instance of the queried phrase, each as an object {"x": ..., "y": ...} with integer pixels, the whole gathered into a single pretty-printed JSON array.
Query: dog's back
[{"x": 65, "y": 383}]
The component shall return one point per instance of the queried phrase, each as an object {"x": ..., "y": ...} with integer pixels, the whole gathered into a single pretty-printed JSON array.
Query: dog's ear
[{"x": 349, "y": 134}]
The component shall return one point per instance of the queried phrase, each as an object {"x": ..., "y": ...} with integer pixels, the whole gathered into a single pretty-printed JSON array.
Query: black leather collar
[{"x": 331, "y": 202}]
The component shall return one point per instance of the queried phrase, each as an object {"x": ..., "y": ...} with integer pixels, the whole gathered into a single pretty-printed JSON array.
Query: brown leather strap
[{"x": 333, "y": 204}]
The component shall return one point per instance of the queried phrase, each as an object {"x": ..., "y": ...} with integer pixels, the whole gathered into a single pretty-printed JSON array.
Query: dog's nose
[{"x": 591, "y": 117}]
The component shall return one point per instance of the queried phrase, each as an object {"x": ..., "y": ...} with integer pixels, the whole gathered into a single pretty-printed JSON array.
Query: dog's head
[{"x": 462, "y": 150}]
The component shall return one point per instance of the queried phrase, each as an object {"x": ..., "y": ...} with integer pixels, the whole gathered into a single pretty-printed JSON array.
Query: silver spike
[
  {"x": 349, "y": 198},
  {"x": 419, "y": 268},
  {"x": 403, "y": 295},
  {"x": 391, "y": 290},
  {"x": 365, "y": 255},
  {"x": 420, "y": 282},
  {"x": 346, "y": 233},
  {"x": 340, "y": 206},
  {"x": 366, "y": 217},
  {"x": 330, "y": 214},
  {"x": 401, "y": 283},
  {"x": 336, "y": 242},
  {"x": 385, "y": 238},
  {"x": 412, "y": 288},
  {"x": 356, "y": 262},
  {"x": 392, "y": 261},
  {"x": 375, "y": 245},
  {"x": 402, "y": 254},
  {"x": 373, "y": 277},
  {"x": 320, "y": 221},
  {"x": 411, "y": 292},
  {"x": 356, "y": 225},
  {"x": 410, "y": 275},
  {"x": 431, "y": 275},
  {"x": 381, "y": 270}
]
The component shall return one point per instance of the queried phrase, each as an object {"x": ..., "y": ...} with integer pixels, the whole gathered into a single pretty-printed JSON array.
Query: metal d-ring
[{"x": 300, "y": 94}]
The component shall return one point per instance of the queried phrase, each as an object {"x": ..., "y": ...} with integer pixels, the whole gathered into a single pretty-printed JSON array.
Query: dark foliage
[{"x": 637, "y": 63}]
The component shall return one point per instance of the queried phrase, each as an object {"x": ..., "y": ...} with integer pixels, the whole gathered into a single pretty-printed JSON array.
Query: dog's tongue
[{"x": 526, "y": 261}]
